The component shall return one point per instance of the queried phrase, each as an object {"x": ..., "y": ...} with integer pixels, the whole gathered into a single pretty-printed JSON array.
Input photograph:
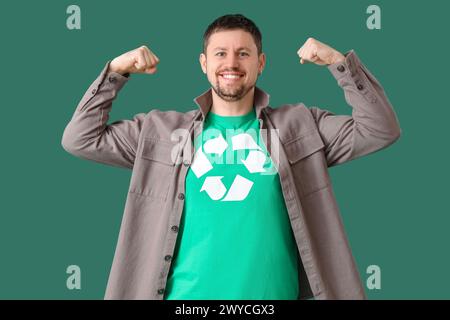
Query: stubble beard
[{"x": 231, "y": 94}]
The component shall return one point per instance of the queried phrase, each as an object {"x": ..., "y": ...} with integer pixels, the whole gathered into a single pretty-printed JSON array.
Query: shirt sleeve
[
  {"x": 89, "y": 136},
  {"x": 373, "y": 124}
]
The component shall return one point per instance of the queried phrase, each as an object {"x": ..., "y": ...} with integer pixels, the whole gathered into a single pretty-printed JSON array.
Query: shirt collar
[{"x": 260, "y": 101}]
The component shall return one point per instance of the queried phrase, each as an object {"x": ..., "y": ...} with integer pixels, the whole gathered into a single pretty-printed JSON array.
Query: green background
[{"x": 57, "y": 210}]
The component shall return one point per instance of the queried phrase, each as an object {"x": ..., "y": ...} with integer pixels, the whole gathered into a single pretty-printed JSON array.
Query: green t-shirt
[{"x": 235, "y": 238}]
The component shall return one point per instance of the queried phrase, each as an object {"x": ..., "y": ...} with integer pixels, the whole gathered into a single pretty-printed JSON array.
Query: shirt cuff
[
  {"x": 350, "y": 72},
  {"x": 105, "y": 81},
  {"x": 112, "y": 78},
  {"x": 346, "y": 67}
]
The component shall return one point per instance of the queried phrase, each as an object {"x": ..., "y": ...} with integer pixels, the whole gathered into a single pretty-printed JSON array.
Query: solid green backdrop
[{"x": 58, "y": 210}]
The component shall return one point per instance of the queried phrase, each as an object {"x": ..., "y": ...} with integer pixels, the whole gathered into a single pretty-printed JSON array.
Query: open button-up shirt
[{"x": 308, "y": 140}]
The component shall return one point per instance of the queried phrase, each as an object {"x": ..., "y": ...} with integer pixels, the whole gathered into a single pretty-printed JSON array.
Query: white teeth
[{"x": 230, "y": 76}]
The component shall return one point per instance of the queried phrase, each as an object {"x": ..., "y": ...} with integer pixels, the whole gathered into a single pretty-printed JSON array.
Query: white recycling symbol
[{"x": 241, "y": 186}]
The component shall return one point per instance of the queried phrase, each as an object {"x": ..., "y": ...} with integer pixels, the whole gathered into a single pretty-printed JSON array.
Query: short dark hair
[{"x": 232, "y": 22}]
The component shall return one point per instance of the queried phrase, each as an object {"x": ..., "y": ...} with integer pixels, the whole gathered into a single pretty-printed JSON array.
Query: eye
[
  {"x": 243, "y": 53},
  {"x": 220, "y": 53}
]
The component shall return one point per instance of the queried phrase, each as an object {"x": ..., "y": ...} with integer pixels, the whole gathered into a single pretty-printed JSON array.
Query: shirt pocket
[
  {"x": 155, "y": 169},
  {"x": 307, "y": 161}
]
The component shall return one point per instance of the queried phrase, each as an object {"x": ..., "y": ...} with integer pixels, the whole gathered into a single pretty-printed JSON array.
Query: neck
[{"x": 232, "y": 108}]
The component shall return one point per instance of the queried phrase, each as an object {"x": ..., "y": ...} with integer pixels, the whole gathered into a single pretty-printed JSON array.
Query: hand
[
  {"x": 319, "y": 53},
  {"x": 140, "y": 60}
]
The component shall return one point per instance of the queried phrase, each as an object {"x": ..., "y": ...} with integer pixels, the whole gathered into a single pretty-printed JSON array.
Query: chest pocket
[
  {"x": 308, "y": 164},
  {"x": 155, "y": 169}
]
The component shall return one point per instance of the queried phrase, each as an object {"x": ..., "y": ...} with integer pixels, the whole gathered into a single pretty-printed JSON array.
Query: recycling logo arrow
[{"x": 213, "y": 185}]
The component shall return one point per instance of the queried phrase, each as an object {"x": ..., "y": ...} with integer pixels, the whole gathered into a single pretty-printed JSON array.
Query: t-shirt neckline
[{"x": 231, "y": 121}]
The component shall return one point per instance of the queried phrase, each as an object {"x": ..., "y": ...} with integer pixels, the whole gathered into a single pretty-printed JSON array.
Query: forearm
[
  {"x": 371, "y": 107},
  {"x": 86, "y": 134},
  {"x": 112, "y": 68},
  {"x": 373, "y": 124}
]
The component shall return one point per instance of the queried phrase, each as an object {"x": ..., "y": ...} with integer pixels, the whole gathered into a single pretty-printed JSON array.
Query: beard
[{"x": 231, "y": 93}]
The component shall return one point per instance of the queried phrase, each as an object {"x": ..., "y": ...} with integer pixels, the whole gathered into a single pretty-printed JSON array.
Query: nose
[{"x": 232, "y": 61}]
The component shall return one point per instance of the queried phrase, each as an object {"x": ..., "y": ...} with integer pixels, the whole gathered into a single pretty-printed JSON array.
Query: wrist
[
  {"x": 114, "y": 68},
  {"x": 338, "y": 58}
]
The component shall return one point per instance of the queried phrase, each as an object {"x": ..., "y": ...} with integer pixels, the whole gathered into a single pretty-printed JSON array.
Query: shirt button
[
  {"x": 181, "y": 196},
  {"x": 168, "y": 257},
  {"x": 186, "y": 163},
  {"x": 94, "y": 91},
  {"x": 112, "y": 79},
  {"x": 160, "y": 291},
  {"x": 341, "y": 68},
  {"x": 174, "y": 228},
  {"x": 360, "y": 87}
]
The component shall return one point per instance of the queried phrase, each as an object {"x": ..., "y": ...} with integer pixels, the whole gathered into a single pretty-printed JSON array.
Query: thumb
[{"x": 304, "y": 61}]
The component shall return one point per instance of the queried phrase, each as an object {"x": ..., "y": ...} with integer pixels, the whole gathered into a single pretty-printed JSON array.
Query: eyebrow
[{"x": 238, "y": 49}]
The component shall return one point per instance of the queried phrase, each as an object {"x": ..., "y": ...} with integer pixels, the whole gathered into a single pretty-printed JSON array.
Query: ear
[
  {"x": 261, "y": 63},
  {"x": 202, "y": 60}
]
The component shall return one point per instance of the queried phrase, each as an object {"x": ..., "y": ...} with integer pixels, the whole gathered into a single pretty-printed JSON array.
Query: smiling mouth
[{"x": 231, "y": 76}]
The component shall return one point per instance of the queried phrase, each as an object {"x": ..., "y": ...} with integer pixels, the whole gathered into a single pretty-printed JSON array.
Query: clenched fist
[
  {"x": 319, "y": 53},
  {"x": 140, "y": 60}
]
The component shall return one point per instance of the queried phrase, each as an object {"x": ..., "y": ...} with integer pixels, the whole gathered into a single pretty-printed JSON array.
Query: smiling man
[
  {"x": 232, "y": 61},
  {"x": 216, "y": 209}
]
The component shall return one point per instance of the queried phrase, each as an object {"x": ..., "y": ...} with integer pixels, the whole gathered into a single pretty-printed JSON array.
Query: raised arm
[
  {"x": 88, "y": 135},
  {"x": 373, "y": 124}
]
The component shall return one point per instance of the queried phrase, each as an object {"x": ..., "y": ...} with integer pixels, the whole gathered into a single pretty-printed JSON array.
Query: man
[{"x": 264, "y": 225}]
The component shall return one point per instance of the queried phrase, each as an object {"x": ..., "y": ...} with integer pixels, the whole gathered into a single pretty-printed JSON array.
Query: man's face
[{"x": 232, "y": 63}]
